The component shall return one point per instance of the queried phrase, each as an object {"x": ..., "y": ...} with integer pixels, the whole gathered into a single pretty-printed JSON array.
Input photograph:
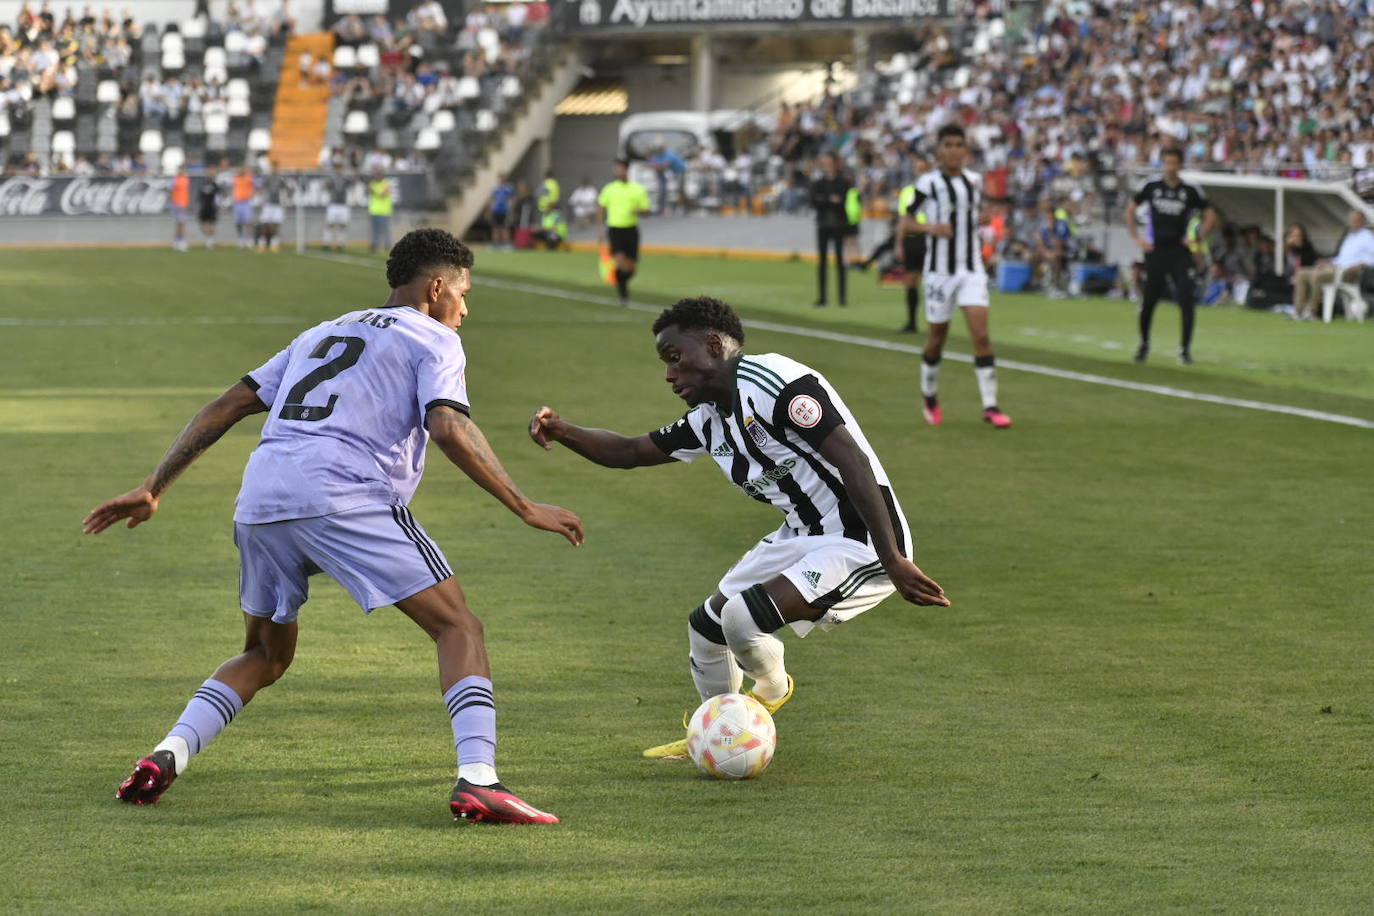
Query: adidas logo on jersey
[
  {"x": 723, "y": 451},
  {"x": 813, "y": 577}
]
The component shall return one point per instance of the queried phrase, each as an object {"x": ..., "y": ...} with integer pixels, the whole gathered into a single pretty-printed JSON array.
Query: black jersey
[
  {"x": 1170, "y": 210},
  {"x": 338, "y": 189},
  {"x": 208, "y": 196},
  {"x": 827, "y": 199}
]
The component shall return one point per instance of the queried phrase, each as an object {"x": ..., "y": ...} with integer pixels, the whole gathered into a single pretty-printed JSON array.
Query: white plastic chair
[
  {"x": 4, "y": 124},
  {"x": 469, "y": 88},
  {"x": 1355, "y": 307},
  {"x": 235, "y": 42},
  {"x": 239, "y": 108},
  {"x": 217, "y": 122},
  {"x": 172, "y": 41},
  {"x": 173, "y": 59},
  {"x": 107, "y": 92},
  {"x": 150, "y": 142},
  {"x": 510, "y": 87},
  {"x": 63, "y": 108},
  {"x": 369, "y": 56},
  {"x": 193, "y": 28},
  {"x": 259, "y": 139},
  {"x": 215, "y": 59},
  {"x": 443, "y": 121},
  {"x": 427, "y": 139},
  {"x": 173, "y": 158},
  {"x": 237, "y": 89},
  {"x": 486, "y": 121},
  {"x": 357, "y": 123},
  {"x": 345, "y": 58},
  {"x": 63, "y": 142}
]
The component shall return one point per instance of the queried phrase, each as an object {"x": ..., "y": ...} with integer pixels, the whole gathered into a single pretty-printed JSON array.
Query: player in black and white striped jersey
[
  {"x": 950, "y": 197},
  {"x": 783, "y": 436}
]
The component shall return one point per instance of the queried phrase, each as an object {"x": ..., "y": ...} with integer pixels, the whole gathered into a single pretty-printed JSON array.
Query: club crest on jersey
[
  {"x": 755, "y": 430},
  {"x": 804, "y": 410}
]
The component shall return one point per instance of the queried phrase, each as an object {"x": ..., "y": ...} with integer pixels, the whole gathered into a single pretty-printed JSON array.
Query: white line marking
[
  {"x": 142, "y": 320},
  {"x": 895, "y": 347}
]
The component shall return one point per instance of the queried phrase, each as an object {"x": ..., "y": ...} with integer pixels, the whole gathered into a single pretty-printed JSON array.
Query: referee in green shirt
[{"x": 618, "y": 208}]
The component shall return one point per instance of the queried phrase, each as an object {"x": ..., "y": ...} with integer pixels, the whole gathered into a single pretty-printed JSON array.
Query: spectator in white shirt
[{"x": 1355, "y": 254}]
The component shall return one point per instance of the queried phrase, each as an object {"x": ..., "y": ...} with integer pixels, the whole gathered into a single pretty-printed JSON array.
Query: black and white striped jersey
[
  {"x": 768, "y": 444},
  {"x": 958, "y": 201}
]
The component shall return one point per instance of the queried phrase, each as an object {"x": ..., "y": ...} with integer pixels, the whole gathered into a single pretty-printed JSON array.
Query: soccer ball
[{"x": 731, "y": 736}]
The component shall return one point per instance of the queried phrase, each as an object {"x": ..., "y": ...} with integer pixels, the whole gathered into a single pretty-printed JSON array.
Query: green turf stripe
[{"x": 759, "y": 380}]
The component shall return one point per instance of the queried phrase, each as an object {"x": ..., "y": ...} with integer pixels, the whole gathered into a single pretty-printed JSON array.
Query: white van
[{"x": 685, "y": 133}]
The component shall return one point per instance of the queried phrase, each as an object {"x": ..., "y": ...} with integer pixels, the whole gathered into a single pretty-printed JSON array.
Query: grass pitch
[{"x": 1151, "y": 693}]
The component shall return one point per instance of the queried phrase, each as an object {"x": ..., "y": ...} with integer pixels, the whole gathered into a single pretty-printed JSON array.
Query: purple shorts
[
  {"x": 379, "y": 554},
  {"x": 243, "y": 211}
]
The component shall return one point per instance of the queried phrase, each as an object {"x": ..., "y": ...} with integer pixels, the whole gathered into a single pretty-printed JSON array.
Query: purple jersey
[{"x": 346, "y": 414}]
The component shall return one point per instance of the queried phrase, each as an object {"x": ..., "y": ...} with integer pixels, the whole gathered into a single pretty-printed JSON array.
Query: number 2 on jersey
[{"x": 295, "y": 407}]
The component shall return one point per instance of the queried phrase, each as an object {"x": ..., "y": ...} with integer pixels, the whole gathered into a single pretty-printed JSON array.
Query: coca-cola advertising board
[{"x": 101, "y": 195}]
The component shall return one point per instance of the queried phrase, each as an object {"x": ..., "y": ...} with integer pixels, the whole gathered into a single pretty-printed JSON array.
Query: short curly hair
[
  {"x": 703, "y": 312},
  {"x": 424, "y": 249}
]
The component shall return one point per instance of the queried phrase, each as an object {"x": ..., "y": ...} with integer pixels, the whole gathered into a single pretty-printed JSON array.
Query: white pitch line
[
  {"x": 1167, "y": 391},
  {"x": 134, "y": 320}
]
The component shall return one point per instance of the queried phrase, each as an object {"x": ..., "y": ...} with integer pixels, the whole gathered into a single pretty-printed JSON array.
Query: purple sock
[
  {"x": 213, "y": 707},
  {"x": 472, "y": 712}
]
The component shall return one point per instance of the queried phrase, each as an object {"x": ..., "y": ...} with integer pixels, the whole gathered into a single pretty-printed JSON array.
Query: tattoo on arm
[
  {"x": 198, "y": 436},
  {"x": 205, "y": 429}
]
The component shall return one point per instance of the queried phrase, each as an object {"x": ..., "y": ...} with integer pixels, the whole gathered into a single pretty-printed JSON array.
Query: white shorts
[
  {"x": 380, "y": 554},
  {"x": 945, "y": 292},
  {"x": 336, "y": 214},
  {"x": 271, "y": 214},
  {"x": 837, "y": 575}
]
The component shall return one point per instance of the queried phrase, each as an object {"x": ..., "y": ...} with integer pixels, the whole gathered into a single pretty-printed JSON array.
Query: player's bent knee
[
  {"x": 703, "y": 624},
  {"x": 749, "y": 614}
]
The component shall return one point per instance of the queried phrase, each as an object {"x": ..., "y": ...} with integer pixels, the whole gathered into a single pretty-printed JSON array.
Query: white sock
[
  {"x": 478, "y": 774},
  {"x": 986, "y": 372},
  {"x": 180, "y": 749},
  {"x": 758, "y": 650},
  {"x": 714, "y": 669},
  {"x": 930, "y": 377}
]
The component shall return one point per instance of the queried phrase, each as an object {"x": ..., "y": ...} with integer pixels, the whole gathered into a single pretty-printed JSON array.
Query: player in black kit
[
  {"x": 1172, "y": 203},
  {"x": 207, "y": 202},
  {"x": 827, "y": 198}
]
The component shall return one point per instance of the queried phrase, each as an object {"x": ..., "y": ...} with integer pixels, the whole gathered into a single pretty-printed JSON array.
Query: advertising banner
[
  {"x": 148, "y": 196},
  {"x": 636, "y": 15}
]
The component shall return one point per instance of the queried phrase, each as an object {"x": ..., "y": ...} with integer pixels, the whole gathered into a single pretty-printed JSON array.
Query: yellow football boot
[{"x": 774, "y": 706}]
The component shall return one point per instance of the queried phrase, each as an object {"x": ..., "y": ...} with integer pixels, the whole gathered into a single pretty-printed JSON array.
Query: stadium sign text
[
  {"x": 84, "y": 196},
  {"x": 647, "y": 14},
  {"x": 100, "y": 195}
]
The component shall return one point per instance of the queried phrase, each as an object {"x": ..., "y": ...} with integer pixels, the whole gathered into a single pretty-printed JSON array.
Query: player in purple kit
[{"x": 352, "y": 404}]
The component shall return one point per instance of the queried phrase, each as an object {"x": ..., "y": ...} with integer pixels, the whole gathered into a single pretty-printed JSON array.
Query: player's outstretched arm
[
  {"x": 204, "y": 430},
  {"x": 840, "y": 449},
  {"x": 466, "y": 446},
  {"x": 608, "y": 449}
]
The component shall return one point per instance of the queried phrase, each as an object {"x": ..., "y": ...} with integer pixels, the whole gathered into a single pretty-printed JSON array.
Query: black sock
[
  {"x": 913, "y": 300},
  {"x": 622, "y": 284}
]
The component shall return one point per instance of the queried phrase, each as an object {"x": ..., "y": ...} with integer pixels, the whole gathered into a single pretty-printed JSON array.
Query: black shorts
[
  {"x": 914, "y": 253},
  {"x": 624, "y": 241},
  {"x": 498, "y": 220},
  {"x": 851, "y": 229}
]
